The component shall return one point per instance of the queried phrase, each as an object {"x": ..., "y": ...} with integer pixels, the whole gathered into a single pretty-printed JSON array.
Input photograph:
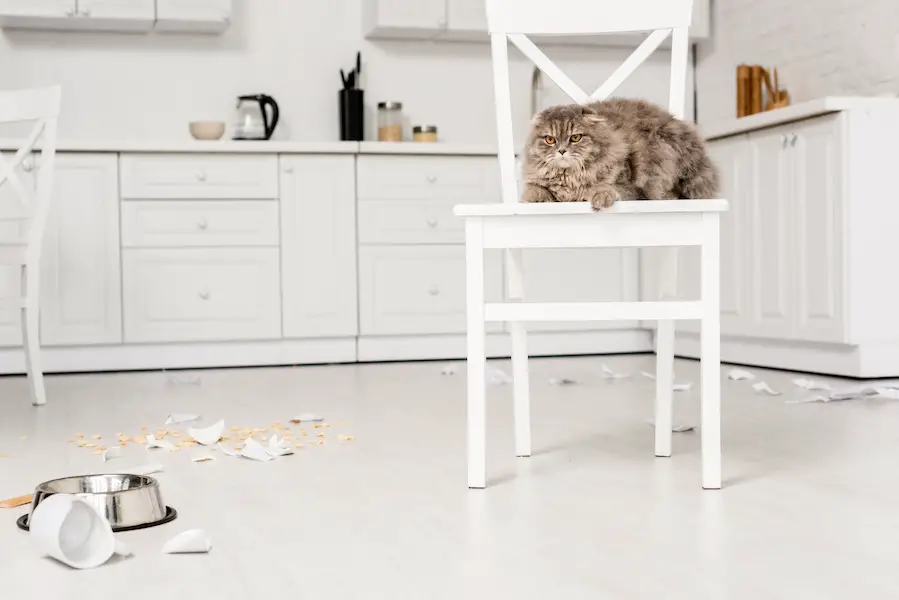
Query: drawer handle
[
  {"x": 432, "y": 223},
  {"x": 793, "y": 139},
  {"x": 202, "y": 224},
  {"x": 204, "y": 295},
  {"x": 201, "y": 176},
  {"x": 434, "y": 290},
  {"x": 288, "y": 170},
  {"x": 28, "y": 165},
  {"x": 432, "y": 179}
]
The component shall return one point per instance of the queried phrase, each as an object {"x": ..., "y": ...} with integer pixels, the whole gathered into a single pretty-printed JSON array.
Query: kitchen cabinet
[
  {"x": 466, "y": 20},
  {"x": 81, "y": 300},
  {"x": 104, "y": 15},
  {"x": 411, "y": 19},
  {"x": 318, "y": 246},
  {"x": 201, "y": 16},
  {"x": 581, "y": 275}
]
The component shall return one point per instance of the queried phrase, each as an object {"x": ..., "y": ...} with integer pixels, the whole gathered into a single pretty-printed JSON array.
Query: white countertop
[
  {"x": 796, "y": 112},
  {"x": 257, "y": 147}
]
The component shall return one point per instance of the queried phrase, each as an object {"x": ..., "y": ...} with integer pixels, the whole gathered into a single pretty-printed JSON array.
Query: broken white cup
[
  {"x": 72, "y": 531},
  {"x": 255, "y": 451},
  {"x": 190, "y": 541}
]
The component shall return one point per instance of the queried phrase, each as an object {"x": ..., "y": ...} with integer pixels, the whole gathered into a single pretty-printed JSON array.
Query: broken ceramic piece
[
  {"x": 608, "y": 373},
  {"x": 112, "y": 452},
  {"x": 278, "y": 447},
  {"x": 207, "y": 436},
  {"x": 152, "y": 443},
  {"x": 307, "y": 418},
  {"x": 192, "y": 541},
  {"x": 176, "y": 418},
  {"x": 255, "y": 451},
  {"x": 739, "y": 375},
  {"x": 764, "y": 388}
]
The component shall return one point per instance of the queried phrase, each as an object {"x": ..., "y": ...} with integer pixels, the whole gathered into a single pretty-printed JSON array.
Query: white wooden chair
[
  {"x": 29, "y": 217},
  {"x": 662, "y": 224}
]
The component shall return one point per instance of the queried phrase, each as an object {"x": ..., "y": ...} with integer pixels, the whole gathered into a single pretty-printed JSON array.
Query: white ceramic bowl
[{"x": 207, "y": 130}]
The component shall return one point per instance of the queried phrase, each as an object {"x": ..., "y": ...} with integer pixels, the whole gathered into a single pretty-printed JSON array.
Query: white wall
[
  {"x": 820, "y": 48},
  {"x": 150, "y": 86}
]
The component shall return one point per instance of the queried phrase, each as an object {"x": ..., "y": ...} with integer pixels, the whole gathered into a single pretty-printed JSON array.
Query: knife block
[{"x": 352, "y": 116}]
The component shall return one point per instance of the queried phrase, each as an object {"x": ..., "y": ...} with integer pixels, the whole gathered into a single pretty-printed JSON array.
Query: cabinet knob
[
  {"x": 784, "y": 140},
  {"x": 288, "y": 169},
  {"x": 202, "y": 224},
  {"x": 793, "y": 139},
  {"x": 432, "y": 179},
  {"x": 434, "y": 290},
  {"x": 432, "y": 223},
  {"x": 204, "y": 295},
  {"x": 201, "y": 176},
  {"x": 28, "y": 165}
]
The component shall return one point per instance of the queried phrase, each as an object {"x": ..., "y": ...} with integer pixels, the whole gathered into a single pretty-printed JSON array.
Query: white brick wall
[{"x": 820, "y": 48}]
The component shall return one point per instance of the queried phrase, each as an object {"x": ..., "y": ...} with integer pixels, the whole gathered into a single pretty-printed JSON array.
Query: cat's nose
[{"x": 562, "y": 151}]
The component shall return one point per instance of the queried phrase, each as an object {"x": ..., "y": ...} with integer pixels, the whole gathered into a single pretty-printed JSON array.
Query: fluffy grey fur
[{"x": 611, "y": 150}]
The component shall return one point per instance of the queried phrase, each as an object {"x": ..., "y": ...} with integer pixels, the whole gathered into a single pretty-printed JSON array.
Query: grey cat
[{"x": 612, "y": 150}]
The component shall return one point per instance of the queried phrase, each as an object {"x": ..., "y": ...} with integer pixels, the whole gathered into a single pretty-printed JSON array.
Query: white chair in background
[
  {"x": 29, "y": 214},
  {"x": 660, "y": 224}
]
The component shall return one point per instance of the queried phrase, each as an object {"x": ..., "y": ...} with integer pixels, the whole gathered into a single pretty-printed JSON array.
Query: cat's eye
[
  {"x": 576, "y": 138},
  {"x": 550, "y": 140}
]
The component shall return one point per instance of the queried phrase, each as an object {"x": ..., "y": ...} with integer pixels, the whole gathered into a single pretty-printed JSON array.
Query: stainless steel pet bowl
[{"x": 128, "y": 501}]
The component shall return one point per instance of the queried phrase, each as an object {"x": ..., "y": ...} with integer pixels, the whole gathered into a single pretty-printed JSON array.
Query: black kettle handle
[{"x": 269, "y": 126}]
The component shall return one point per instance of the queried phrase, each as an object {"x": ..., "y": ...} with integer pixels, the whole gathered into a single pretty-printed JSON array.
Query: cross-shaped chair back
[
  {"x": 514, "y": 20},
  {"x": 39, "y": 106}
]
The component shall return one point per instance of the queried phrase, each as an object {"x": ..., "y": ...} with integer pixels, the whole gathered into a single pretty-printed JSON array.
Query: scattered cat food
[
  {"x": 764, "y": 388},
  {"x": 346, "y": 438},
  {"x": 202, "y": 458},
  {"x": 17, "y": 501},
  {"x": 298, "y": 445},
  {"x": 6, "y": 456},
  {"x": 79, "y": 435},
  {"x": 97, "y": 436},
  {"x": 307, "y": 417}
]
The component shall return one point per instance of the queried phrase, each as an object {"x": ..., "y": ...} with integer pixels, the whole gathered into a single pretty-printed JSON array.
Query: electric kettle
[{"x": 254, "y": 120}]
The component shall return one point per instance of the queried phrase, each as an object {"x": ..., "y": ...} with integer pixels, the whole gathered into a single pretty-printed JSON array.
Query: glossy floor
[{"x": 810, "y": 507}]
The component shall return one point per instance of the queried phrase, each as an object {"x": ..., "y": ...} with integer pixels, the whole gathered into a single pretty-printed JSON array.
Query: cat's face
[{"x": 562, "y": 137}]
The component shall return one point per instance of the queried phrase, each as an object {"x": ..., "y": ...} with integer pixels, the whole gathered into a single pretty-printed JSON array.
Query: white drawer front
[
  {"x": 457, "y": 179},
  {"x": 199, "y": 176},
  {"x": 409, "y": 222},
  {"x": 419, "y": 290},
  {"x": 167, "y": 223},
  {"x": 201, "y": 294}
]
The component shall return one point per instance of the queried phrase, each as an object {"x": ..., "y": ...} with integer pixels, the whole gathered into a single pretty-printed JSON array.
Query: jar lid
[
  {"x": 424, "y": 129},
  {"x": 390, "y": 106}
]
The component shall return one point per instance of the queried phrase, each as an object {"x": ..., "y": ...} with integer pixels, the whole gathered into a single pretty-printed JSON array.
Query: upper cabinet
[
  {"x": 398, "y": 19},
  {"x": 211, "y": 16},
  {"x": 466, "y": 20},
  {"x": 117, "y": 15}
]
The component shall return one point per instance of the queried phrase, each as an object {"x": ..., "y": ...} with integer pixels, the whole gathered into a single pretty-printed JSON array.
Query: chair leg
[
  {"x": 710, "y": 342},
  {"x": 521, "y": 384},
  {"x": 477, "y": 357},
  {"x": 31, "y": 334},
  {"x": 664, "y": 409}
]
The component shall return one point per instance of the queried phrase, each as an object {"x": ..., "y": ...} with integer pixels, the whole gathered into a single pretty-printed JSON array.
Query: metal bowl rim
[{"x": 41, "y": 487}]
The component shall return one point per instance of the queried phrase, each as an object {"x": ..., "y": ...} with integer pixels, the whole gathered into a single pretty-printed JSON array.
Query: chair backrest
[
  {"x": 39, "y": 106},
  {"x": 514, "y": 20}
]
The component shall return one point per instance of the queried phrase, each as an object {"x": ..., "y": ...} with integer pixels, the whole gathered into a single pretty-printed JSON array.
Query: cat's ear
[{"x": 591, "y": 117}]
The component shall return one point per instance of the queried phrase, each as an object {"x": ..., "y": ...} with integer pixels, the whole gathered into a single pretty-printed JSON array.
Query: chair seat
[{"x": 578, "y": 208}]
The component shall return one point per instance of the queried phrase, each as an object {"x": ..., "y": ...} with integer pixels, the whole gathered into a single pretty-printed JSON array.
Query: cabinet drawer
[
  {"x": 226, "y": 176},
  {"x": 457, "y": 179},
  {"x": 182, "y": 223},
  {"x": 409, "y": 222},
  {"x": 420, "y": 289},
  {"x": 201, "y": 294}
]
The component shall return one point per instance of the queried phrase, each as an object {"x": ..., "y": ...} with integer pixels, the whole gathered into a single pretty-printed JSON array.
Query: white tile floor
[{"x": 810, "y": 508}]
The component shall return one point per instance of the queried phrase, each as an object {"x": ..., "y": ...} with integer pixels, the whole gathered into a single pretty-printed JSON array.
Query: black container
[{"x": 352, "y": 120}]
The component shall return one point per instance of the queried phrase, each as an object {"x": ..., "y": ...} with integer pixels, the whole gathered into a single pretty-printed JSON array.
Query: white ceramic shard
[
  {"x": 226, "y": 450},
  {"x": 208, "y": 436},
  {"x": 739, "y": 375},
  {"x": 176, "y": 418},
  {"x": 764, "y": 388},
  {"x": 608, "y": 373},
  {"x": 255, "y": 451},
  {"x": 279, "y": 447},
  {"x": 192, "y": 541},
  {"x": 307, "y": 418},
  {"x": 112, "y": 452},
  {"x": 152, "y": 443}
]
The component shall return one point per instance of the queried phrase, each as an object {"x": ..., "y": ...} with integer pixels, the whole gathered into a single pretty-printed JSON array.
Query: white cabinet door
[
  {"x": 140, "y": 14},
  {"x": 817, "y": 230},
  {"x": 466, "y": 20},
  {"x": 210, "y": 16},
  {"x": 11, "y": 227},
  {"x": 411, "y": 19},
  {"x": 770, "y": 242},
  {"x": 81, "y": 300},
  {"x": 46, "y": 9},
  {"x": 318, "y": 246},
  {"x": 580, "y": 275}
]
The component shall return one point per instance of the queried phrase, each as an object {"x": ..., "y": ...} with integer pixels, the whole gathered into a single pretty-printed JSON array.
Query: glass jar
[
  {"x": 390, "y": 122},
  {"x": 424, "y": 133}
]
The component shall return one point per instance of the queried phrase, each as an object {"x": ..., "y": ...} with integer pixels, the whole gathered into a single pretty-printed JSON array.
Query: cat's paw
[
  {"x": 603, "y": 198},
  {"x": 535, "y": 193}
]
